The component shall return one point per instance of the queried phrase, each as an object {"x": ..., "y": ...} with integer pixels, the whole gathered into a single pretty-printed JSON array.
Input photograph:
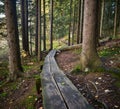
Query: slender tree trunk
[
  {"x": 73, "y": 28},
  {"x": 13, "y": 39},
  {"x": 98, "y": 27},
  {"x": 44, "y": 31},
  {"x": 115, "y": 19},
  {"x": 36, "y": 37},
  {"x": 30, "y": 27},
  {"x": 51, "y": 24},
  {"x": 23, "y": 24},
  {"x": 70, "y": 23},
  {"x": 24, "y": 11},
  {"x": 102, "y": 16},
  {"x": 118, "y": 14},
  {"x": 78, "y": 31},
  {"x": 26, "y": 26},
  {"x": 89, "y": 56},
  {"x": 39, "y": 30},
  {"x": 30, "y": 30},
  {"x": 81, "y": 20}
]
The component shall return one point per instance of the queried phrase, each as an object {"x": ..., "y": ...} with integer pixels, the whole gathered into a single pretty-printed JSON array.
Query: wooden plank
[
  {"x": 71, "y": 95},
  {"x": 53, "y": 64},
  {"x": 58, "y": 91},
  {"x": 52, "y": 53},
  {"x": 52, "y": 98}
]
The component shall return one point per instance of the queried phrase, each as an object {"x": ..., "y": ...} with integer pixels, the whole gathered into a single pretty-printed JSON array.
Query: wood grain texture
[{"x": 57, "y": 90}]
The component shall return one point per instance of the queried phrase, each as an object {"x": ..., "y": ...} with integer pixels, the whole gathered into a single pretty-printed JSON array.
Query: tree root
[{"x": 95, "y": 98}]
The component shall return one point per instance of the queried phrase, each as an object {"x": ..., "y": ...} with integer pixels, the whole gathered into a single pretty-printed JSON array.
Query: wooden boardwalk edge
[{"x": 57, "y": 90}]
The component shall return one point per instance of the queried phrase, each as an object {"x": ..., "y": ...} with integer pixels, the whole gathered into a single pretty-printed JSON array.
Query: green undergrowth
[
  {"x": 115, "y": 73},
  {"x": 77, "y": 51},
  {"x": 30, "y": 65},
  {"x": 28, "y": 102},
  {"x": 3, "y": 72},
  {"x": 8, "y": 87},
  {"x": 76, "y": 70},
  {"x": 109, "y": 52}
]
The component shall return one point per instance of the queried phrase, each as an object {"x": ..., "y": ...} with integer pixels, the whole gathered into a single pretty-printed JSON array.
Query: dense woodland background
[{"x": 34, "y": 27}]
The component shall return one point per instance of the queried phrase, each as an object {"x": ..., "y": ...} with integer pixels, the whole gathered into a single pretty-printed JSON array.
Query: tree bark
[
  {"x": 79, "y": 13},
  {"x": 89, "y": 56},
  {"x": 36, "y": 36},
  {"x": 24, "y": 12},
  {"x": 70, "y": 23},
  {"x": 23, "y": 24},
  {"x": 26, "y": 26},
  {"x": 44, "y": 31},
  {"x": 115, "y": 19},
  {"x": 98, "y": 18},
  {"x": 15, "y": 67},
  {"x": 39, "y": 30},
  {"x": 51, "y": 24},
  {"x": 73, "y": 28},
  {"x": 102, "y": 16},
  {"x": 81, "y": 20}
]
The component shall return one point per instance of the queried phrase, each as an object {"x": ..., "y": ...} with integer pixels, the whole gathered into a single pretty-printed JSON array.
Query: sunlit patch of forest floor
[
  {"x": 21, "y": 94},
  {"x": 100, "y": 87}
]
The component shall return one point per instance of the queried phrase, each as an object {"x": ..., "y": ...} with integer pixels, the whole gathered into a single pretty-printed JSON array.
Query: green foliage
[
  {"x": 27, "y": 67},
  {"x": 3, "y": 72},
  {"x": 29, "y": 101},
  {"x": 3, "y": 95},
  {"x": 76, "y": 70},
  {"x": 109, "y": 52},
  {"x": 78, "y": 51}
]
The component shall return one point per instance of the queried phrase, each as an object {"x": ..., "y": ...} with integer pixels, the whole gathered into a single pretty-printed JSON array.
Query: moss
[
  {"x": 29, "y": 101},
  {"x": 76, "y": 70},
  {"x": 3, "y": 95},
  {"x": 77, "y": 50},
  {"x": 117, "y": 83}
]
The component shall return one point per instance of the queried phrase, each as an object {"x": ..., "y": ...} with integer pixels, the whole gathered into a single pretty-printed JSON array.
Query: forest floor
[
  {"x": 102, "y": 87},
  {"x": 21, "y": 94}
]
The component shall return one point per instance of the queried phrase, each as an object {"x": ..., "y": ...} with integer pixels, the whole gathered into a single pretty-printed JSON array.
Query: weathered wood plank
[
  {"x": 71, "y": 95},
  {"x": 52, "y": 53},
  {"x": 52, "y": 98},
  {"x": 58, "y": 91}
]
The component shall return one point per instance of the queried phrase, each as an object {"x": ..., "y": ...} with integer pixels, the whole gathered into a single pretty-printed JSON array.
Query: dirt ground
[{"x": 97, "y": 87}]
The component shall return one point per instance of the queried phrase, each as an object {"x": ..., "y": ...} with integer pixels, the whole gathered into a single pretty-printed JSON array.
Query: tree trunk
[
  {"x": 24, "y": 12},
  {"x": 98, "y": 26},
  {"x": 115, "y": 19},
  {"x": 73, "y": 28},
  {"x": 44, "y": 31},
  {"x": 102, "y": 16},
  {"x": 39, "y": 30},
  {"x": 26, "y": 26},
  {"x": 36, "y": 37},
  {"x": 13, "y": 39},
  {"x": 70, "y": 23},
  {"x": 78, "y": 31},
  {"x": 23, "y": 24},
  {"x": 81, "y": 20},
  {"x": 89, "y": 56},
  {"x": 51, "y": 24}
]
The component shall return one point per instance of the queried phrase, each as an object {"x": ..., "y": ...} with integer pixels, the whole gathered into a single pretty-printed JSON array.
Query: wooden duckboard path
[{"x": 57, "y": 90}]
